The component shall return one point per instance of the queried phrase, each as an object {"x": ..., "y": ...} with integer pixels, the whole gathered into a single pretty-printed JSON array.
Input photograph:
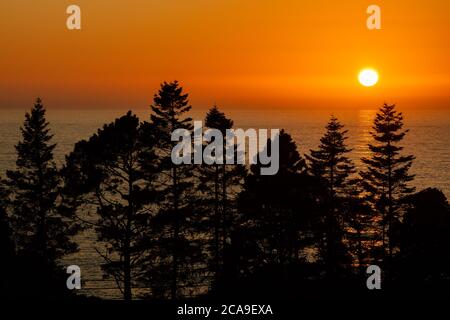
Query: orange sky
[{"x": 236, "y": 53}]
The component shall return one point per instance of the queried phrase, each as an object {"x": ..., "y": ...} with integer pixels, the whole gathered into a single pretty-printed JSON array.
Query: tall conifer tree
[
  {"x": 219, "y": 185},
  {"x": 330, "y": 164},
  {"x": 386, "y": 176},
  {"x": 113, "y": 174},
  {"x": 277, "y": 213},
  {"x": 179, "y": 247},
  {"x": 39, "y": 228}
]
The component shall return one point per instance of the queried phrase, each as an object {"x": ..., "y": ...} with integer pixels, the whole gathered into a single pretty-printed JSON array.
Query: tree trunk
[
  {"x": 390, "y": 213},
  {"x": 330, "y": 225},
  {"x": 42, "y": 226},
  {"x": 176, "y": 231},
  {"x": 127, "y": 294},
  {"x": 216, "y": 223},
  {"x": 224, "y": 207}
]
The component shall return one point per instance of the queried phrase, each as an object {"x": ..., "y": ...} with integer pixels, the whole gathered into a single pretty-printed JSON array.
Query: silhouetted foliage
[
  {"x": 333, "y": 168},
  {"x": 26, "y": 275},
  {"x": 386, "y": 175},
  {"x": 108, "y": 171},
  {"x": 219, "y": 185},
  {"x": 39, "y": 228},
  {"x": 423, "y": 237},
  {"x": 180, "y": 251},
  {"x": 359, "y": 225},
  {"x": 278, "y": 213},
  {"x": 169, "y": 228},
  {"x": 7, "y": 251},
  {"x": 6, "y": 243}
]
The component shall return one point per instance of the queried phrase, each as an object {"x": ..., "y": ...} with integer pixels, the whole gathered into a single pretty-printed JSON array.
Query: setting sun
[
  {"x": 368, "y": 77},
  {"x": 182, "y": 156}
]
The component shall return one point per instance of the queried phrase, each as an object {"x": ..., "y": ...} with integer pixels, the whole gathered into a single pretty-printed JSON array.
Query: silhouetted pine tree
[
  {"x": 39, "y": 228},
  {"x": 278, "y": 212},
  {"x": 107, "y": 173},
  {"x": 387, "y": 175},
  {"x": 180, "y": 251},
  {"x": 219, "y": 185},
  {"x": 358, "y": 225},
  {"x": 7, "y": 252},
  {"x": 423, "y": 238},
  {"x": 333, "y": 168}
]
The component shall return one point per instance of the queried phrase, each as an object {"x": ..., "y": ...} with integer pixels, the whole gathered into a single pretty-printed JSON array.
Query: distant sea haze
[{"x": 428, "y": 138}]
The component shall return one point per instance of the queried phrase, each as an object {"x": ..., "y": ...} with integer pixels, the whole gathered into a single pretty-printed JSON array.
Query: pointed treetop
[
  {"x": 216, "y": 119},
  {"x": 169, "y": 107}
]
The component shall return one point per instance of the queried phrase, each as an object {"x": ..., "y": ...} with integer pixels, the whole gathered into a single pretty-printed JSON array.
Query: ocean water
[{"x": 428, "y": 139}]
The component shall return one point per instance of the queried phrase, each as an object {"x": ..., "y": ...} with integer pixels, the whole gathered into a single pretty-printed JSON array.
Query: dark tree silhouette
[
  {"x": 333, "y": 168},
  {"x": 386, "y": 175},
  {"x": 219, "y": 185},
  {"x": 108, "y": 172},
  {"x": 7, "y": 251},
  {"x": 277, "y": 214},
  {"x": 358, "y": 225},
  {"x": 6, "y": 243},
  {"x": 39, "y": 228},
  {"x": 423, "y": 238},
  {"x": 180, "y": 251}
]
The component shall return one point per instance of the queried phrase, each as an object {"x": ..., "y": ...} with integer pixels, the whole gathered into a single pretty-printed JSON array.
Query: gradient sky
[{"x": 236, "y": 53}]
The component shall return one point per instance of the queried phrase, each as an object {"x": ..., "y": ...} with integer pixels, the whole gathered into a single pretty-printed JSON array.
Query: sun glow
[{"x": 368, "y": 77}]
